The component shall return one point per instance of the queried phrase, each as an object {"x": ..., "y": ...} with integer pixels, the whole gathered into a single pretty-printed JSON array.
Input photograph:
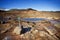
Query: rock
[
  {"x": 17, "y": 30},
  {"x": 57, "y": 25}
]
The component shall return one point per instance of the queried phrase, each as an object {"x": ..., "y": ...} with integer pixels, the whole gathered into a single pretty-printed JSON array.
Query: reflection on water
[
  {"x": 33, "y": 19},
  {"x": 24, "y": 30}
]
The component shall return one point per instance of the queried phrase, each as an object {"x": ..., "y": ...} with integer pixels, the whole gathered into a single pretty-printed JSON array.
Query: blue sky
[{"x": 43, "y": 5}]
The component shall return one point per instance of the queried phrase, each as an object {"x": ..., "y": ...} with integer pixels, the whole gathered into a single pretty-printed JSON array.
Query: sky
[{"x": 42, "y": 5}]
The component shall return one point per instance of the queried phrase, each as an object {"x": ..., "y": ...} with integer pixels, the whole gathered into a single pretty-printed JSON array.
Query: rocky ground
[
  {"x": 42, "y": 30},
  {"x": 13, "y": 29}
]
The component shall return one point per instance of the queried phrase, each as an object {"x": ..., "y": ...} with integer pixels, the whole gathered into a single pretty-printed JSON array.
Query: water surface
[{"x": 33, "y": 19}]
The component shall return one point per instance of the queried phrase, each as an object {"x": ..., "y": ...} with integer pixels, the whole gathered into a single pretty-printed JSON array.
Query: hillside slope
[{"x": 31, "y": 13}]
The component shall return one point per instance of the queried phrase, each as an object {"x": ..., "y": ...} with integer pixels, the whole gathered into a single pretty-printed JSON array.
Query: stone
[{"x": 17, "y": 30}]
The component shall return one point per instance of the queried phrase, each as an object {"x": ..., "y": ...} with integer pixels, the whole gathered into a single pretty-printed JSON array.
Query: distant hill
[
  {"x": 22, "y": 9},
  {"x": 2, "y": 11},
  {"x": 31, "y": 13}
]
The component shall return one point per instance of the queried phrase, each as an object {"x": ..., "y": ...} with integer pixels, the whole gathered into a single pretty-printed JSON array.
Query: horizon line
[{"x": 27, "y": 8}]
